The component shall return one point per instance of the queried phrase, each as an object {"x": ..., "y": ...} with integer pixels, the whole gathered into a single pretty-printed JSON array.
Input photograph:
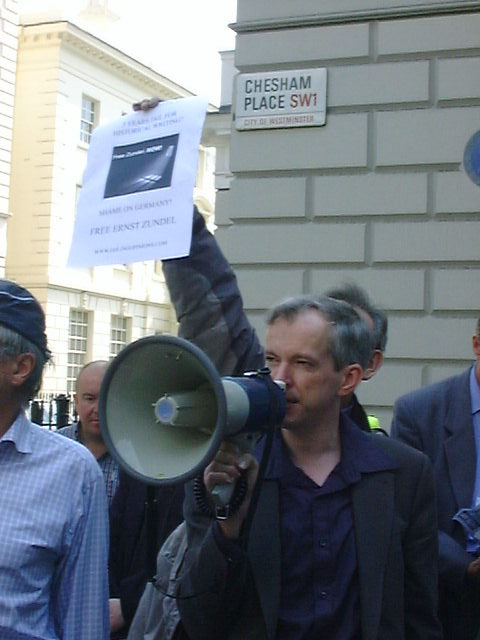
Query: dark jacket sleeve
[
  {"x": 209, "y": 307},
  {"x": 211, "y": 587},
  {"x": 413, "y": 563},
  {"x": 421, "y": 560}
]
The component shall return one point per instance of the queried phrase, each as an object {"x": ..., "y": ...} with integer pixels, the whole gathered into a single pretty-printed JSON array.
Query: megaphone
[{"x": 164, "y": 409}]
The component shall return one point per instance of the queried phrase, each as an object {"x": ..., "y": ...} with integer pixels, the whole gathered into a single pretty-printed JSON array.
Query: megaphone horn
[{"x": 164, "y": 410}]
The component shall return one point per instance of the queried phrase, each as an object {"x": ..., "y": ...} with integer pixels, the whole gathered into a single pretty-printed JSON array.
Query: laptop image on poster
[{"x": 142, "y": 166}]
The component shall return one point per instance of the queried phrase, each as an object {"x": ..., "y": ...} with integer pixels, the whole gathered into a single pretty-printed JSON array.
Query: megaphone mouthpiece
[{"x": 182, "y": 409}]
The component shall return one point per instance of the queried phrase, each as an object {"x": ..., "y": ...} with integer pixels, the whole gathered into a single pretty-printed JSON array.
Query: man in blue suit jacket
[{"x": 443, "y": 421}]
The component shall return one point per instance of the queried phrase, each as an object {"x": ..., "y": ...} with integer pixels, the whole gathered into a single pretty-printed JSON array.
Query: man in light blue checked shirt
[{"x": 53, "y": 507}]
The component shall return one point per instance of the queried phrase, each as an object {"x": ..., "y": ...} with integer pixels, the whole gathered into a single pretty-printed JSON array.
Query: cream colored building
[
  {"x": 8, "y": 58},
  {"x": 67, "y": 82}
]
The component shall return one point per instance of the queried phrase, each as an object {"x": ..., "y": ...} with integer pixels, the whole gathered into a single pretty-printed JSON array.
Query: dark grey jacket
[
  {"x": 437, "y": 420},
  {"x": 394, "y": 522}
]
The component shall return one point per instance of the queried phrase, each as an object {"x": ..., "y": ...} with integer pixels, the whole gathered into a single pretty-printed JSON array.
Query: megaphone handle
[
  {"x": 222, "y": 497},
  {"x": 222, "y": 493}
]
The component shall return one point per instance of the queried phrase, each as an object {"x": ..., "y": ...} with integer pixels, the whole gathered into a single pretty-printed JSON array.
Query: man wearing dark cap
[{"x": 53, "y": 509}]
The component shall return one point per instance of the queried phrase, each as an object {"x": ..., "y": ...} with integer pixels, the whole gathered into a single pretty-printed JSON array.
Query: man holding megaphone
[
  {"x": 342, "y": 543},
  {"x": 337, "y": 537}
]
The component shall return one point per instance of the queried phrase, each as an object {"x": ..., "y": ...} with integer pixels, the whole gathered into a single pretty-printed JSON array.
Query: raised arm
[{"x": 209, "y": 307}]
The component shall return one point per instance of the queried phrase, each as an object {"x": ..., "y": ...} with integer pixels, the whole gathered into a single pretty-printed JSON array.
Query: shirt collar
[
  {"x": 360, "y": 453},
  {"x": 77, "y": 431},
  {"x": 20, "y": 433},
  {"x": 474, "y": 391}
]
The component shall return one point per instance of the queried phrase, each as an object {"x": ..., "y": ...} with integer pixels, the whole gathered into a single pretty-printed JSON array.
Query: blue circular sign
[{"x": 471, "y": 158}]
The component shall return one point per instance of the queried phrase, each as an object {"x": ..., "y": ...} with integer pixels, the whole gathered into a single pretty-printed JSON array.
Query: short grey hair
[
  {"x": 350, "y": 339},
  {"x": 12, "y": 344},
  {"x": 358, "y": 297}
]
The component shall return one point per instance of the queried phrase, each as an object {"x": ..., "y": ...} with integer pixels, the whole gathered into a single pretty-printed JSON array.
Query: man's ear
[
  {"x": 22, "y": 367},
  {"x": 374, "y": 365},
  {"x": 352, "y": 376},
  {"x": 476, "y": 345}
]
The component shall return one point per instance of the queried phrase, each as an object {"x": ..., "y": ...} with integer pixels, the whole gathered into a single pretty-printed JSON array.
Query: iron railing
[{"x": 53, "y": 411}]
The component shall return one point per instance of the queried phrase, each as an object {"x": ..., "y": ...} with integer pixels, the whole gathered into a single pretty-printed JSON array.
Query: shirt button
[
  {"x": 323, "y": 595},
  {"x": 323, "y": 544}
]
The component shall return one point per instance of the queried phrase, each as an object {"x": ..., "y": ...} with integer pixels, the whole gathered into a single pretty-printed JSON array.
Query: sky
[
  {"x": 178, "y": 38},
  {"x": 181, "y": 39}
]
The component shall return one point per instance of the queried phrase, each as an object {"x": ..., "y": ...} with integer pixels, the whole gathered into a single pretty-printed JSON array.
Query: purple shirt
[
  {"x": 319, "y": 595},
  {"x": 319, "y": 582}
]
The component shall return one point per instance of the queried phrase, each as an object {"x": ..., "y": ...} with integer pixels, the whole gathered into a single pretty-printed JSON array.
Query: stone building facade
[{"x": 380, "y": 194}]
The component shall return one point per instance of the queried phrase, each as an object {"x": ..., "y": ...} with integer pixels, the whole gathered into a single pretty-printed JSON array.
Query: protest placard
[{"x": 136, "y": 201}]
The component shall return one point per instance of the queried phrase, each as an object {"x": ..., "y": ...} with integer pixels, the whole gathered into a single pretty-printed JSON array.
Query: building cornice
[
  {"x": 329, "y": 16},
  {"x": 217, "y": 129},
  {"x": 90, "y": 46}
]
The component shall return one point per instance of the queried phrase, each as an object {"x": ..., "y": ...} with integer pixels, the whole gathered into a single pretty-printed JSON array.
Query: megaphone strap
[{"x": 205, "y": 504}]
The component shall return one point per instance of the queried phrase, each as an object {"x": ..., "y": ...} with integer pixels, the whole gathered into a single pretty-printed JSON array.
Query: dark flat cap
[{"x": 21, "y": 312}]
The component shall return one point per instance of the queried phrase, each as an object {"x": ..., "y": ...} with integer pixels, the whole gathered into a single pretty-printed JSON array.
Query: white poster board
[{"x": 136, "y": 201}]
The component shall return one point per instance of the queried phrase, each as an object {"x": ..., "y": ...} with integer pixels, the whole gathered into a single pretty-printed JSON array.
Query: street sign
[{"x": 279, "y": 99}]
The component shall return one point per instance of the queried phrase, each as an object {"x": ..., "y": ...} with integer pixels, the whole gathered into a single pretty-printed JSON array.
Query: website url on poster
[{"x": 131, "y": 247}]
